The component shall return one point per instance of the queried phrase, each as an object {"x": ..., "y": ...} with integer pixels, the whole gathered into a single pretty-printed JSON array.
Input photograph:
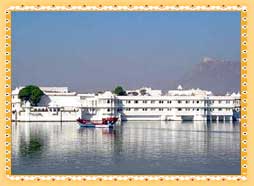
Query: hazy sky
[{"x": 90, "y": 51}]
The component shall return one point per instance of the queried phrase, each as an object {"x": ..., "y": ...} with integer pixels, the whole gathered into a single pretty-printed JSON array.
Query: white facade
[
  {"x": 58, "y": 104},
  {"x": 194, "y": 104}
]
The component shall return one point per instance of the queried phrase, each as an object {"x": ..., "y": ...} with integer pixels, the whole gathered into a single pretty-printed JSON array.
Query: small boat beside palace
[{"x": 105, "y": 123}]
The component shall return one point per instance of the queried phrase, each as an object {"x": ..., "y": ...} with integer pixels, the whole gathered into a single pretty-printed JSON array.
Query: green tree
[
  {"x": 24, "y": 94},
  {"x": 119, "y": 91},
  {"x": 143, "y": 92},
  {"x": 31, "y": 93}
]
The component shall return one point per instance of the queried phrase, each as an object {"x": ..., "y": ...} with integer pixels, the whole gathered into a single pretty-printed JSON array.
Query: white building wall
[
  {"x": 70, "y": 115},
  {"x": 68, "y": 106}
]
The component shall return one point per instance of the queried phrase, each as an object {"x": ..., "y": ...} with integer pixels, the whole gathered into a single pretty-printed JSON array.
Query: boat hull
[
  {"x": 90, "y": 125},
  {"x": 106, "y": 123}
]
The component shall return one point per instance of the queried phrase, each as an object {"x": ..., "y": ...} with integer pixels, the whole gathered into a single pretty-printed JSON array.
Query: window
[
  {"x": 197, "y": 101},
  {"x": 144, "y": 109},
  {"x": 169, "y": 102},
  {"x": 128, "y": 101},
  {"x": 179, "y": 101},
  {"x": 160, "y": 109},
  {"x": 135, "y": 109},
  {"x": 187, "y": 101},
  {"x": 179, "y": 109},
  {"x": 152, "y": 101},
  {"x": 228, "y": 101},
  {"x": 160, "y": 101},
  {"x": 169, "y": 109},
  {"x": 108, "y": 109},
  {"x": 108, "y": 101},
  {"x": 197, "y": 109},
  {"x": 144, "y": 101},
  {"x": 136, "y": 101},
  {"x": 220, "y": 109},
  {"x": 219, "y": 101}
]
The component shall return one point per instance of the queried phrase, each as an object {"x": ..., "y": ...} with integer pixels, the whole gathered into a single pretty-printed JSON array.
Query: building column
[
  {"x": 209, "y": 118},
  {"x": 230, "y": 118},
  {"x": 16, "y": 115}
]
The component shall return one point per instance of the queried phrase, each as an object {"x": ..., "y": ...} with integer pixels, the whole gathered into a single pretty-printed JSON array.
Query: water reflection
[
  {"x": 34, "y": 146},
  {"x": 130, "y": 148}
]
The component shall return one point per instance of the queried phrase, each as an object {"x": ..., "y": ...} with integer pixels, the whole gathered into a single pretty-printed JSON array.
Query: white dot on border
[
  {"x": 244, "y": 149},
  {"x": 244, "y": 108},
  {"x": 244, "y": 35},
  {"x": 244, "y": 124},
  {"x": 244, "y": 59},
  {"x": 244, "y": 133},
  {"x": 244, "y": 18},
  {"x": 244, "y": 27},
  {"x": 244, "y": 83}
]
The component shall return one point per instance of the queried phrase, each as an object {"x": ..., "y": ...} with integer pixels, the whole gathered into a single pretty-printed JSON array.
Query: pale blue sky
[{"x": 90, "y": 51}]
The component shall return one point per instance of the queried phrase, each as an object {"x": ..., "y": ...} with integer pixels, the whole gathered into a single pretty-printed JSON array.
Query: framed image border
[{"x": 145, "y": 8}]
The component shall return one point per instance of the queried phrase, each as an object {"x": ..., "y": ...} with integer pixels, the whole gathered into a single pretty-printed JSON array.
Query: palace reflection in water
[{"x": 132, "y": 148}]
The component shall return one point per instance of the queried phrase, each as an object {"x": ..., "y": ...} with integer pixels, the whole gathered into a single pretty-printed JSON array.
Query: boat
[{"x": 105, "y": 123}]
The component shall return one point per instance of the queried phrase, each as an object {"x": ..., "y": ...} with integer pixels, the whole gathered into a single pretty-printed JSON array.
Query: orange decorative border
[{"x": 244, "y": 93}]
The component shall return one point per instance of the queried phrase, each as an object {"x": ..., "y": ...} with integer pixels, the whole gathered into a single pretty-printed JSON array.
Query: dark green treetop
[
  {"x": 143, "y": 92},
  {"x": 119, "y": 91},
  {"x": 31, "y": 93}
]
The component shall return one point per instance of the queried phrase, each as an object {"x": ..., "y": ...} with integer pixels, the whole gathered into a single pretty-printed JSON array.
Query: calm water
[{"x": 133, "y": 148}]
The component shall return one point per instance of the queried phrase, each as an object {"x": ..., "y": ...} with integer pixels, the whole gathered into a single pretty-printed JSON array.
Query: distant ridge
[{"x": 216, "y": 75}]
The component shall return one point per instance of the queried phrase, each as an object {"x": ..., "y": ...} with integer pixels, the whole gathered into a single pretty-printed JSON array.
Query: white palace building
[{"x": 59, "y": 104}]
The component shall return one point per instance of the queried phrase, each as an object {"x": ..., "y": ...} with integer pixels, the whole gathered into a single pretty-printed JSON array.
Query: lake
[{"x": 140, "y": 147}]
